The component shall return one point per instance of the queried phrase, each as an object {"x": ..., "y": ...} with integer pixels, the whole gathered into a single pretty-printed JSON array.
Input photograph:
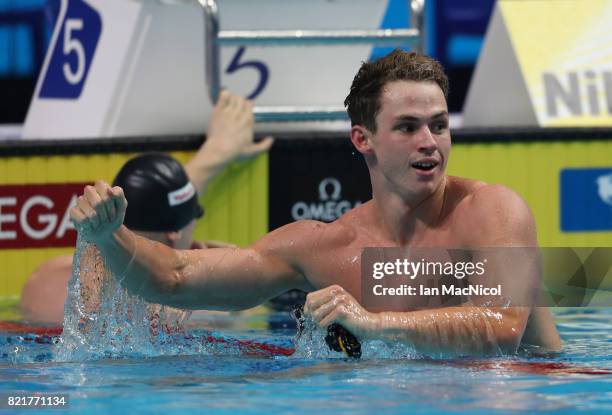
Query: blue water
[{"x": 222, "y": 379}]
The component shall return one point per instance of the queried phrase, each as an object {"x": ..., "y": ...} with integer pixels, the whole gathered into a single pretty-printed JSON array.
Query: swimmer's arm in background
[
  {"x": 502, "y": 219},
  {"x": 220, "y": 279},
  {"x": 229, "y": 138},
  {"x": 43, "y": 295}
]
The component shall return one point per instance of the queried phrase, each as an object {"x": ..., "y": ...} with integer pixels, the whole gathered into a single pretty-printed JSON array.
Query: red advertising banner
[{"x": 38, "y": 215}]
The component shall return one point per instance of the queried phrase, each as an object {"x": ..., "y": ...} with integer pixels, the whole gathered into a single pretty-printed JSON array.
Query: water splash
[{"x": 102, "y": 320}]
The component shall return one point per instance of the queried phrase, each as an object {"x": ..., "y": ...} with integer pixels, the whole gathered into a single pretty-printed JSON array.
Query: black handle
[{"x": 338, "y": 338}]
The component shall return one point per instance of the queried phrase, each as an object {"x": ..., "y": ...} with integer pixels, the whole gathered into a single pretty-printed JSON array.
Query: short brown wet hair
[{"x": 363, "y": 101}]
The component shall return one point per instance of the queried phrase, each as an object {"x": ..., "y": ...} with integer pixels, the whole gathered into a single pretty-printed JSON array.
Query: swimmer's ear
[{"x": 361, "y": 138}]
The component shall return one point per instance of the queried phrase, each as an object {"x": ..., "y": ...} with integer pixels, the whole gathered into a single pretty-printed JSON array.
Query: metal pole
[
  {"x": 212, "y": 60},
  {"x": 214, "y": 38},
  {"x": 417, "y": 9},
  {"x": 299, "y": 113},
  {"x": 377, "y": 37}
]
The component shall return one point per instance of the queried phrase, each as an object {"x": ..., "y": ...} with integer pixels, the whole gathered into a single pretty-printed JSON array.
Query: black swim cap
[{"x": 160, "y": 196}]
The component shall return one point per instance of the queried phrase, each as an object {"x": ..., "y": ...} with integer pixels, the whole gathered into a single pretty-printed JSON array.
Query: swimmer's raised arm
[
  {"x": 222, "y": 279},
  {"x": 229, "y": 138}
]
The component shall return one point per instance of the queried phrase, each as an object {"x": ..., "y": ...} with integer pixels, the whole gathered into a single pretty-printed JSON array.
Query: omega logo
[{"x": 329, "y": 207}]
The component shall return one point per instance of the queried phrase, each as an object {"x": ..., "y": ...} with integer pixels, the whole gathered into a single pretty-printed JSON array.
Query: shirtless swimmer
[{"x": 400, "y": 125}]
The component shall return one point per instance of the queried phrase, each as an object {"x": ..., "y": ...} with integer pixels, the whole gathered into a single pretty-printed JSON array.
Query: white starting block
[{"x": 119, "y": 68}]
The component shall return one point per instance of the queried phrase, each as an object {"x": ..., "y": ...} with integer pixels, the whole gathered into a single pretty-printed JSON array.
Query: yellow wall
[
  {"x": 237, "y": 200},
  {"x": 532, "y": 170}
]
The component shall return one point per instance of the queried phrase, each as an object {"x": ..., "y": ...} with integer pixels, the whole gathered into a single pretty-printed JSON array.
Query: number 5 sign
[
  {"x": 119, "y": 68},
  {"x": 73, "y": 52}
]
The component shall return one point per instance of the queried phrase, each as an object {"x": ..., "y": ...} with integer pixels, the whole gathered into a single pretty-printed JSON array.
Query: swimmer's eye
[
  {"x": 407, "y": 127},
  {"x": 439, "y": 127}
]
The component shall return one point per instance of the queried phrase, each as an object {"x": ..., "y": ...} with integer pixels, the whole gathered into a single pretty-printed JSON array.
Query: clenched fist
[{"x": 99, "y": 211}]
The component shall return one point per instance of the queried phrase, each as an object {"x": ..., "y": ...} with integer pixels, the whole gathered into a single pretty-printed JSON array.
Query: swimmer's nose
[{"x": 427, "y": 143}]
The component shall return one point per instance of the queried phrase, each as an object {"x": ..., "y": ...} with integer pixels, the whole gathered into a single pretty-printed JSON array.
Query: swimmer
[
  {"x": 147, "y": 180},
  {"x": 400, "y": 124}
]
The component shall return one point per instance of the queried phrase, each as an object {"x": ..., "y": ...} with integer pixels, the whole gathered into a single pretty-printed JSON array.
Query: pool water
[{"x": 245, "y": 371}]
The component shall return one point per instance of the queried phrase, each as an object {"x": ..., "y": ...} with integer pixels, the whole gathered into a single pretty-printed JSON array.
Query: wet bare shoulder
[
  {"x": 298, "y": 239},
  {"x": 462, "y": 187},
  {"x": 342, "y": 232},
  {"x": 355, "y": 221},
  {"x": 494, "y": 215}
]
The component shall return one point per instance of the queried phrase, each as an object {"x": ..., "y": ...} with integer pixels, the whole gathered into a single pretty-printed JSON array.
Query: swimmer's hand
[
  {"x": 230, "y": 129},
  {"x": 99, "y": 211},
  {"x": 230, "y": 137},
  {"x": 334, "y": 305}
]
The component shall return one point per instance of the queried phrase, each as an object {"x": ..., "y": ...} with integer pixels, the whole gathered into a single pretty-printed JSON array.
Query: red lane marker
[
  {"x": 541, "y": 368},
  {"x": 248, "y": 346},
  {"x": 254, "y": 348},
  {"x": 556, "y": 368},
  {"x": 26, "y": 328}
]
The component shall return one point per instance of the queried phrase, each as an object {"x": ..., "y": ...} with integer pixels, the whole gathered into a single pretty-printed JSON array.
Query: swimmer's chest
[{"x": 342, "y": 265}]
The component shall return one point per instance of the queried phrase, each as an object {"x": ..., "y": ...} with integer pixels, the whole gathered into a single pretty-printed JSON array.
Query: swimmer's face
[
  {"x": 186, "y": 236},
  {"x": 182, "y": 239},
  {"x": 412, "y": 142}
]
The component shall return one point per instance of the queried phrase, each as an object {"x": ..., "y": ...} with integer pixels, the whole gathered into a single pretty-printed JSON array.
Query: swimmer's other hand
[
  {"x": 230, "y": 129},
  {"x": 99, "y": 211},
  {"x": 334, "y": 304}
]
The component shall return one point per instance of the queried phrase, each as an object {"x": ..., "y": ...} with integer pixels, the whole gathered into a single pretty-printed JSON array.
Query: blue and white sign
[
  {"x": 73, "y": 52},
  {"x": 120, "y": 68},
  {"x": 586, "y": 199}
]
